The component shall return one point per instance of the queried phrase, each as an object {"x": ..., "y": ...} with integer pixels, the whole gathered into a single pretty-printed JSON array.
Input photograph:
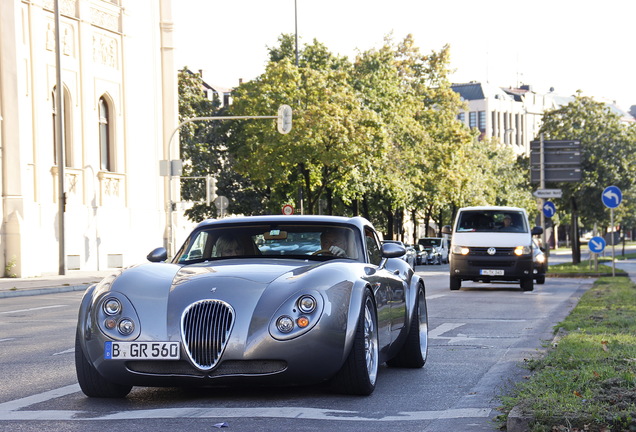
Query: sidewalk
[{"x": 47, "y": 284}]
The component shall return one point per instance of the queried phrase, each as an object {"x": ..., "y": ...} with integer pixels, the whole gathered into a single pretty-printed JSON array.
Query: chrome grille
[{"x": 205, "y": 329}]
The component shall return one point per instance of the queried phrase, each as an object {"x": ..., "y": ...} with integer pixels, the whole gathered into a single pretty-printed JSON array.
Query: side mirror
[
  {"x": 159, "y": 254},
  {"x": 537, "y": 230},
  {"x": 446, "y": 229},
  {"x": 392, "y": 250}
]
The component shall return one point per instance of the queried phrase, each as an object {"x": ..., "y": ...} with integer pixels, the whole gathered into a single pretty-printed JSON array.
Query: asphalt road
[{"x": 478, "y": 340}]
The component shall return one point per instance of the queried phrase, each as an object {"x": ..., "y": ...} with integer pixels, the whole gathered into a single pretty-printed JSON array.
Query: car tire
[
  {"x": 90, "y": 381},
  {"x": 540, "y": 280},
  {"x": 360, "y": 370},
  {"x": 527, "y": 284},
  {"x": 455, "y": 283},
  {"x": 415, "y": 349}
]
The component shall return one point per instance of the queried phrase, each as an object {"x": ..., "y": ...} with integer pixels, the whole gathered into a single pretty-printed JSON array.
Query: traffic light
[{"x": 210, "y": 189}]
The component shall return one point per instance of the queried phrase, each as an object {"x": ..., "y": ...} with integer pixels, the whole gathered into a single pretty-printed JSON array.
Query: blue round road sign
[
  {"x": 612, "y": 196},
  {"x": 549, "y": 209},
  {"x": 596, "y": 244}
]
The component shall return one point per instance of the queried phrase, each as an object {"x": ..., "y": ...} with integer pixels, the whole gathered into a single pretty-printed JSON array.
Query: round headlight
[
  {"x": 285, "y": 324},
  {"x": 112, "y": 306},
  {"x": 126, "y": 327},
  {"x": 307, "y": 304}
]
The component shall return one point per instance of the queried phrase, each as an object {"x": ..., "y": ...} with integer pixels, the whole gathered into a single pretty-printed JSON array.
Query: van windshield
[{"x": 492, "y": 221}]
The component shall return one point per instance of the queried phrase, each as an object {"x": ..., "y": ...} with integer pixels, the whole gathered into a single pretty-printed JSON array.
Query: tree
[
  {"x": 203, "y": 146},
  {"x": 328, "y": 152},
  {"x": 608, "y": 152}
]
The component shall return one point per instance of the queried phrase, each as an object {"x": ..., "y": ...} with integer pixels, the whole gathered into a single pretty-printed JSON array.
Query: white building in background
[
  {"x": 120, "y": 109},
  {"x": 512, "y": 114}
]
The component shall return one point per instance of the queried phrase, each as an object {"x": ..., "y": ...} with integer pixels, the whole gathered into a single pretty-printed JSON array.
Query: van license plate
[{"x": 485, "y": 272}]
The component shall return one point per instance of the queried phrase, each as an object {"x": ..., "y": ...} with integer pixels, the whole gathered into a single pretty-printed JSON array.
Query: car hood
[{"x": 252, "y": 270}]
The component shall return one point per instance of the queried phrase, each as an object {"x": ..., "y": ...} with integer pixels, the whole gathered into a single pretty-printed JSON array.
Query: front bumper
[{"x": 491, "y": 268}]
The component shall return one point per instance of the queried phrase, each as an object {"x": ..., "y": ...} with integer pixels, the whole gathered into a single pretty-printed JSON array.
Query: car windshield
[
  {"x": 492, "y": 221},
  {"x": 429, "y": 242},
  {"x": 300, "y": 241}
]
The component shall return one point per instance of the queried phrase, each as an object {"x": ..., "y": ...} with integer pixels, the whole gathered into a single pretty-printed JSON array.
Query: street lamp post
[{"x": 59, "y": 138}]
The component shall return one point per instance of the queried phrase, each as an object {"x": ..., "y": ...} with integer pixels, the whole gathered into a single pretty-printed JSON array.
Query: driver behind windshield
[{"x": 334, "y": 240}]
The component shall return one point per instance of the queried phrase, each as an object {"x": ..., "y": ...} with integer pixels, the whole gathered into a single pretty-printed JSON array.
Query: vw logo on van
[{"x": 492, "y": 251}]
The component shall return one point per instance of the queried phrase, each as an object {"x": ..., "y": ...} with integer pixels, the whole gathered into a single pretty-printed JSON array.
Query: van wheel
[
  {"x": 455, "y": 283},
  {"x": 527, "y": 284},
  {"x": 540, "y": 280}
]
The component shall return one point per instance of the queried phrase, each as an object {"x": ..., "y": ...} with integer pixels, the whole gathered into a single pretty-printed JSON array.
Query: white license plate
[
  {"x": 141, "y": 350},
  {"x": 485, "y": 272}
]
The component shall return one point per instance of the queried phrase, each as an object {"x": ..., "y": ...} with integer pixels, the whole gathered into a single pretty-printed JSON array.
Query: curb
[
  {"x": 584, "y": 275},
  {"x": 518, "y": 421},
  {"x": 40, "y": 291}
]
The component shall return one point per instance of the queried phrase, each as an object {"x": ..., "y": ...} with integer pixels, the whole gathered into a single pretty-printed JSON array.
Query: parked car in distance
[
  {"x": 420, "y": 254},
  {"x": 410, "y": 256},
  {"x": 540, "y": 264},
  {"x": 262, "y": 300},
  {"x": 436, "y": 248}
]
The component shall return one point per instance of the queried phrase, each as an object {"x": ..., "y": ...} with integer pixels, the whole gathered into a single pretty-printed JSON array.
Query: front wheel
[
  {"x": 90, "y": 381},
  {"x": 527, "y": 284},
  {"x": 359, "y": 372},
  {"x": 455, "y": 283},
  {"x": 415, "y": 349}
]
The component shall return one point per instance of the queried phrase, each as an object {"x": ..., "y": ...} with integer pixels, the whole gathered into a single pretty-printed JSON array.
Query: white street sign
[{"x": 548, "y": 193}]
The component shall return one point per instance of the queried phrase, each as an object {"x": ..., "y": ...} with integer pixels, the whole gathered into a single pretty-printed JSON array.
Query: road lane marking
[
  {"x": 12, "y": 411},
  {"x": 443, "y": 328},
  {"x": 32, "y": 309}
]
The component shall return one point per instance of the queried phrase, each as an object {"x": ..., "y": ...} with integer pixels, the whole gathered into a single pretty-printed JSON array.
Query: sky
[{"x": 567, "y": 45}]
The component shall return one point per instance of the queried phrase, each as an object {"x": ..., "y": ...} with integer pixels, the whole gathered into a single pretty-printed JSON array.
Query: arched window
[
  {"x": 105, "y": 144},
  {"x": 66, "y": 128}
]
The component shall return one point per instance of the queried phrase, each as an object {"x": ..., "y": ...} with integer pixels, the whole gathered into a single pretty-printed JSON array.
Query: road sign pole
[
  {"x": 542, "y": 200},
  {"x": 612, "y": 237}
]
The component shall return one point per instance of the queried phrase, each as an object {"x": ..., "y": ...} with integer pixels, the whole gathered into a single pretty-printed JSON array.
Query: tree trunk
[
  {"x": 414, "y": 219},
  {"x": 389, "y": 224}
]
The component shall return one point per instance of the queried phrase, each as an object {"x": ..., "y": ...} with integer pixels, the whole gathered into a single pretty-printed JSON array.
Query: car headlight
[
  {"x": 307, "y": 304},
  {"x": 117, "y": 317},
  {"x": 112, "y": 306},
  {"x": 126, "y": 326},
  {"x": 540, "y": 259},
  {"x": 460, "y": 250},
  {"x": 522, "y": 250},
  {"x": 297, "y": 315}
]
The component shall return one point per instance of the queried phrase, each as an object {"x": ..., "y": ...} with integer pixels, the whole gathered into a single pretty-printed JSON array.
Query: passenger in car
[{"x": 228, "y": 246}]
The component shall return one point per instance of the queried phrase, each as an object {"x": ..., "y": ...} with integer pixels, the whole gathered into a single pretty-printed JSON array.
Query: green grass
[
  {"x": 588, "y": 380},
  {"x": 584, "y": 267}
]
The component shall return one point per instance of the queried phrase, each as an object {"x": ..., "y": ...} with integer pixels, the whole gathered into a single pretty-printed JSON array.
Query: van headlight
[
  {"x": 460, "y": 250},
  {"x": 522, "y": 250}
]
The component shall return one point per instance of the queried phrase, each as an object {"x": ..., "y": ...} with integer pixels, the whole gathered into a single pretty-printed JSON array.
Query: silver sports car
[{"x": 265, "y": 300}]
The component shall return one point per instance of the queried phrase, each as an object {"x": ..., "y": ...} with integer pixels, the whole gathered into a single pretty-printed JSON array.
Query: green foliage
[
  {"x": 608, "y": 154},
  {"x": 587, "y": 380},
  {"x": 377, "y": 137}
]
